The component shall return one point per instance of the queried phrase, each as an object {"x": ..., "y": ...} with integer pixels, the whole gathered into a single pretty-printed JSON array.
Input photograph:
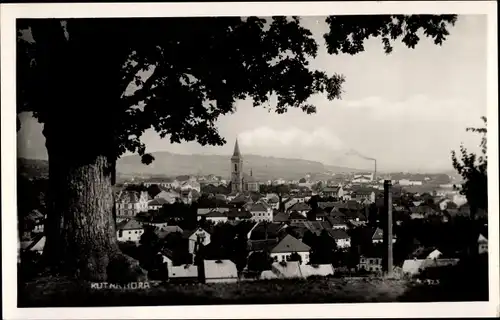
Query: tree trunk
[{"x": 81, "y": 233}]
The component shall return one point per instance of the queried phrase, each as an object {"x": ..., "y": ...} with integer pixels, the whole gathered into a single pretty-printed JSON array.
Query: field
[{"x": 50, "y": 292}]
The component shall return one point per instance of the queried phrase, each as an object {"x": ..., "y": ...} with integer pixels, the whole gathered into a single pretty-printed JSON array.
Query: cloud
[{"x": 264, "y": 137}]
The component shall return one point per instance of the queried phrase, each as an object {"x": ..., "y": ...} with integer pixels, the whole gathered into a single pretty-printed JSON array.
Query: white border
[{"x": 10, "y": 12}]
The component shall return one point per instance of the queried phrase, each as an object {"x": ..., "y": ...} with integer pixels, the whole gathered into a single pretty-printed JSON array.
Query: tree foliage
[{"x": 474, "y": 171}]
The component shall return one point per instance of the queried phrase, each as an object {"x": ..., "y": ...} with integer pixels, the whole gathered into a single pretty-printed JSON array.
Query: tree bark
[{"x": 81, "y": 233}]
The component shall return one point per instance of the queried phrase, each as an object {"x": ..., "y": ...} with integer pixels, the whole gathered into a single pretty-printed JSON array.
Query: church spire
[{"x": 236, "y": 152}]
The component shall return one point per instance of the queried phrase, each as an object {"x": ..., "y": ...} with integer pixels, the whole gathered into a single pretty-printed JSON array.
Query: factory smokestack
[
  {"x": 375, "y": 173},
  {"x": 388, "y": 268}
]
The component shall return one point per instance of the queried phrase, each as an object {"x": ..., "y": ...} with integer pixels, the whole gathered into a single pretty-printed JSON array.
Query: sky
[{"x": 408, "y": 109}]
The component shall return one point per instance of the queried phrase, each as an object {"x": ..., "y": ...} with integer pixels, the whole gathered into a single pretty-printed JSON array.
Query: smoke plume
[{"x": 359, "y": 154}]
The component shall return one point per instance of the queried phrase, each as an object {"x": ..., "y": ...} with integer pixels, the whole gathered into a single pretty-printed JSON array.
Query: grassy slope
[{"x": 47, "y": 292}]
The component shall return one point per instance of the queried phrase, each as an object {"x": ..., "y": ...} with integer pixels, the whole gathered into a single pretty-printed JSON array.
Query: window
[
  {"x": 235, "y": 167},
  {"x": 136, "y": 232},
  {"x": 370, "y": 261},
  {"x": 120, "y": 233},
  {"x": 275, "y": 258},
  {"x": 129, "y": 232},
  {"x": 129, "y": 238}
]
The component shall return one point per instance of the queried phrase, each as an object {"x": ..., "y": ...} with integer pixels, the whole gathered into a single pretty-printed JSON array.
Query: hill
[
  {"x": 171, "y": 164},
  {"x": 263, "y": 168}
]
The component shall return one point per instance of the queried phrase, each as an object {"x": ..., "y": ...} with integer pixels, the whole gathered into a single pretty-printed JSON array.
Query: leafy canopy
[{"x": 179, "y": 75}]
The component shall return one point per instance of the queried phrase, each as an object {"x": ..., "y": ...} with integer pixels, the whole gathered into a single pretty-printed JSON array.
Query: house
[
  {"x": 129, "y": 230},
  {"x": 157, "y": 203},
  {"x": 130, "y": 203},
  {"x": 261, "y": 212},
  {"x": 482, "y": 244},
  {"x": 287, "y": 246},
  {"x": 335, "y": 192},
  {"x": 196, "y": 237},
  {"x": 216, "y": 216},
  {"x": 341, "y": 238},
  {"x": 168, "y": 196},
  {"x": 378, "y": 236},
  {"x": 287, "y": 270},
  {"x": 182, "y": 273},
  {"x": 300, "y": 207},
  {"x": 363, "y": 178},
  {"x": 365, "y": 195},
  {"x": 220, "y": 271},
  {"x": 370, "y": 264},
  {"x": 296, "y": 218},
  {"x": 291, "y": 201},
  {"x": 321, "y": 270},
  {"x": 337, "y": 222}
]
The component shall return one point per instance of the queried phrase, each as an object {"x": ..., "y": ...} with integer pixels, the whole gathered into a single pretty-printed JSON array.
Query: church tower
[{"x": 236, "y": 170}]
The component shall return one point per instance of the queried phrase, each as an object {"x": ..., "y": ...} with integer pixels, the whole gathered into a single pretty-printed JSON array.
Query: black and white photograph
[{"x": 288, "y": 158}]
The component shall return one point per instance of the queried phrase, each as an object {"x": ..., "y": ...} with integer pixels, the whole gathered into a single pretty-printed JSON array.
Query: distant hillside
[{"x": 263, "y": 168}]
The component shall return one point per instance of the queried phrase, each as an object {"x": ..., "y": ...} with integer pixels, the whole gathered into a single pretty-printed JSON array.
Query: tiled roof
[
  {"x": 217, "y": 269},
  {"x": 336, "y": 221},
  {"x": 326, "y": 204},
  {"x": 131, "y": 224},
  {"x": 216, "y": 214},
  {"x": 300, "y": 206},
  {"x": 338, "y": 234},
  {"x": 272, "y": 229},
  {"x": 164, "y": 231},
  {"x": 184, "y": 271},
  {"x": 290, "y": 244},
  {"x": 281, "y": 217},
  {"x": 262, "y": 245},
  {"x": 331, "y": 189},
  {"x": 258, "y": 207},
  {"x": 294, "y": 215},
  {"x": 157, "y": 202}
]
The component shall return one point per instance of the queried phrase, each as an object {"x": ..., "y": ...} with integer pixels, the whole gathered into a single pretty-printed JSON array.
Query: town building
[
  {"x": 261, "y": 212},
  {"x": 129, "y": 230},
  {"x": 130, "y": 203},
  {"x": 287, "y": 246},
  {"x": 370, "y": 264},
  {"x": 195, "y": 238}
]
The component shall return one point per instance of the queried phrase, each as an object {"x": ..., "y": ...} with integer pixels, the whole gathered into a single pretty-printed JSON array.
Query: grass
[{"x": 61, "y": 292}]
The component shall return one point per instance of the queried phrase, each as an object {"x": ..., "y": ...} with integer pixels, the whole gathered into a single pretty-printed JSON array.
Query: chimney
[{"x": 388, "y": 268}]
